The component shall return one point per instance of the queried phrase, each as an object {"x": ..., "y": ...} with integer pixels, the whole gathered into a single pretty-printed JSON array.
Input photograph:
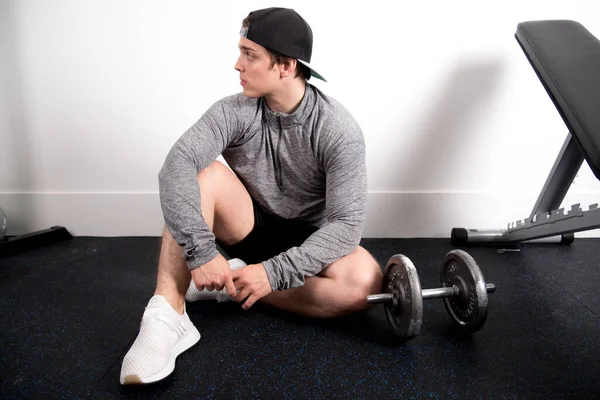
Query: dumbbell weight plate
[
  {"x": 469, "y": 309},
  {"x": 405, "y": 312}
]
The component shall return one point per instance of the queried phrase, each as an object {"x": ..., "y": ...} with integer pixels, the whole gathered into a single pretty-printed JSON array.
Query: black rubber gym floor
[{"x": 71, "y": 310}]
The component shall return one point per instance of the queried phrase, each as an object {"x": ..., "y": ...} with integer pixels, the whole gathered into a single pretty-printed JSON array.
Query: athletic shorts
[{"x": 270, "y": 236}]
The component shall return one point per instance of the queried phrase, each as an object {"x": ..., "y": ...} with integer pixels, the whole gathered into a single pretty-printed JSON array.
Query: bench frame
[{"x": 546, "y": 222}]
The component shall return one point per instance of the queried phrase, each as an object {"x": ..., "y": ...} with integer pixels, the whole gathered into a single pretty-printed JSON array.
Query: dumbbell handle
[{"x": 427, "y": 293}]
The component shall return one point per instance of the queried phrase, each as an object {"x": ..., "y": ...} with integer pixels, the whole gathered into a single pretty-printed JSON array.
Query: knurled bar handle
[{"x": 427, "y": 294}]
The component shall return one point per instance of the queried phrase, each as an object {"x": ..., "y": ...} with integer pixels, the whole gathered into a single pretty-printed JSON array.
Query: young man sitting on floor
[{"x": 292, "y": 206}]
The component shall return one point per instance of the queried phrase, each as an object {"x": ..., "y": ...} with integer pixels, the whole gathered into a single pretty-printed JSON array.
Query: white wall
[{"x": 459, "y": 130}]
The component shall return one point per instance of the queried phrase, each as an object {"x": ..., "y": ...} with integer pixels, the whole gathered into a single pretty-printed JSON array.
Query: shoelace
[{"x": 175, "y": 326}]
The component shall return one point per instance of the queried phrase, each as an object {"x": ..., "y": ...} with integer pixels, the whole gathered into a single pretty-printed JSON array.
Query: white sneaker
[
  {"x": 193, "y": 294},
  {"x": 164, "y": 334}
]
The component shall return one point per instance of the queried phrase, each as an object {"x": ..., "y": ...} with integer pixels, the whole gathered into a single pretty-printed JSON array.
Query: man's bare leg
[
  {"x": 224, "y": 202},
  {"x": 173, "y": 275},
  {"x": 227, "y": 209},
  {"x": 339, "y": 289}
]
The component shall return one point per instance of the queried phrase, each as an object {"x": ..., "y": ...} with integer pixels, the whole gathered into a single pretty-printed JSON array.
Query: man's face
[{"x": 253, "y": 65}]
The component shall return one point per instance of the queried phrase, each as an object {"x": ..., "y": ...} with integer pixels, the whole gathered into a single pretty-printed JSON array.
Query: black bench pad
[{"x": 566, "y": 58}]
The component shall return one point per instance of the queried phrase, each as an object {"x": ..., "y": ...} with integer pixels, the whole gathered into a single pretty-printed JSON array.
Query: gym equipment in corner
[
  {"x": 3, "y": 225},
  {"x": 10, "y": 245},
  {"x": 566, "y": 58}
]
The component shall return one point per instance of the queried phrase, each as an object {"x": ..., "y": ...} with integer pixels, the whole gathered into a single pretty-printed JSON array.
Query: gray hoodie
[{"x": 308, "y": 165}]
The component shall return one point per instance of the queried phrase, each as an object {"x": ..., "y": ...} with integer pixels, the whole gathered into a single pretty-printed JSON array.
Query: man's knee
[
  {"x": 367, "y": 277},
  {"x": 215, "y": 172},
  {"x": 360, "y": 275}
]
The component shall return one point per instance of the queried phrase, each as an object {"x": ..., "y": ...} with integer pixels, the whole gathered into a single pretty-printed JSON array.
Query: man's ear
[{"x": 288, "y": 67}]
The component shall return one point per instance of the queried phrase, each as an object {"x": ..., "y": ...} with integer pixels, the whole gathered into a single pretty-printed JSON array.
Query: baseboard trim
[{"x": 389, "y": 214}]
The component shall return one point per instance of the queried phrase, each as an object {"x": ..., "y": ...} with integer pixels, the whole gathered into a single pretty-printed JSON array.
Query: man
[{"x": 290, "y": 209}]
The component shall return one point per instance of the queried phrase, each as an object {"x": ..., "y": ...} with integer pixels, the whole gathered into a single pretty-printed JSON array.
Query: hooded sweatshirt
[{"x": 308, "y": 165}]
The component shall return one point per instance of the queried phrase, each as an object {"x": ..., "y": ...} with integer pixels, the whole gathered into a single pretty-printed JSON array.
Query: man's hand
[
  {"x": 253, "y": 284},
  {"x": 215, "y": 274}
]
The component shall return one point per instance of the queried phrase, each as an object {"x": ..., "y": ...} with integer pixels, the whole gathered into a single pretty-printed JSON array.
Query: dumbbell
[{"x": 464, "y": 291}]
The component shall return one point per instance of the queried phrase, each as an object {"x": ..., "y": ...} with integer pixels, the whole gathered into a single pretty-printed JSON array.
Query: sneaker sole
[{"x": 184, "y": 344}]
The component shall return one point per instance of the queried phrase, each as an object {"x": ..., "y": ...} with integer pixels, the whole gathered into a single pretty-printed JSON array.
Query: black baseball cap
[{"x": 282, "y": 30}]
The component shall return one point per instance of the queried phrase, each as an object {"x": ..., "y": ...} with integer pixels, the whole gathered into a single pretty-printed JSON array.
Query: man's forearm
[
  {"x": 328, "y": 244},
  {"x": 180, "y": 201}
]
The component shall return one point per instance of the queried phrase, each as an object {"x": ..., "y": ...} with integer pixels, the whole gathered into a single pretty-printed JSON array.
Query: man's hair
[{"x": 278, "y": 58}]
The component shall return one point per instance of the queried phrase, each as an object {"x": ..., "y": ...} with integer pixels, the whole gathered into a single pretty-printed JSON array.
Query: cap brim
[{"x": 312, "y": 71}]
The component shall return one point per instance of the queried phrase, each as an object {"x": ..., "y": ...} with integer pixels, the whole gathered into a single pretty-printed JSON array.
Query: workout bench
[{"x": 566, "y": 58}]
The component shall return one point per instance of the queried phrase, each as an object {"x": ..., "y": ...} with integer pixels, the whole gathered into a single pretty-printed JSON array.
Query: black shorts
[{"x": 270, "y": 236}]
